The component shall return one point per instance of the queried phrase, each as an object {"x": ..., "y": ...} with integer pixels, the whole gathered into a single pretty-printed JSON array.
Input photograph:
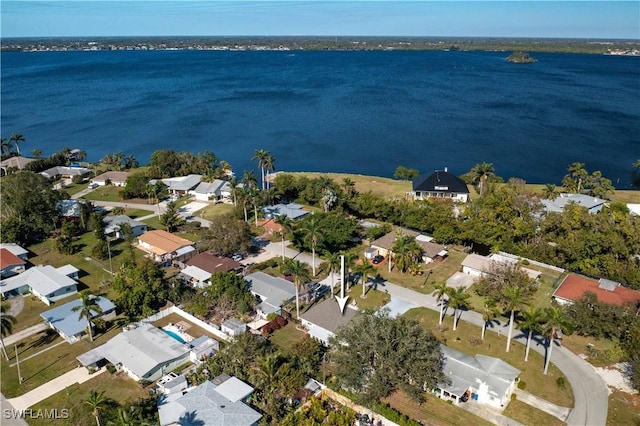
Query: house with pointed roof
[
  {"x": 47, "y": 283},
  {"x": 440, "y": 184},
  {"x": 111, "y": 178},
  {"x": 10, "y": 264},
  {"x": 292, "y": 210},
  {"x": 69, "y": 324},
  {"x": 323, "y": 320},
  {"x": 273, "y": 292},
  {"x": 17, "y": 162},
  {"x": 217, "y": 402},
  {"x": 430, "y": 250},
  {"x": 200, "y": 267},
  {"x": 485, "y": 379},
  {"x": 573, "y": 287},
  {"x": 163, "y": 246},
  {"x": 592, "y": 204},
  {"x": 217, "y": 190},
  {"x": 113, "y": 225},
  {"x": 182, "y": 184}
]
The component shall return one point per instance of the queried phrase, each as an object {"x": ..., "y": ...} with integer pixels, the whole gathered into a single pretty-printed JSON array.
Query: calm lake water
[{"x": 359, "y": 112}]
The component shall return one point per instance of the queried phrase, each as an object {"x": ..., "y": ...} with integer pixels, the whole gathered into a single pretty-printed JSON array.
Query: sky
[{"x": 451, "y": 18}]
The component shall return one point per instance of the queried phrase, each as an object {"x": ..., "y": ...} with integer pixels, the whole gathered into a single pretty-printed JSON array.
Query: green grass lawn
[
  {"x": 48, "y": 365},
  {"x": 467, "y": 339},
  {"x": 74, "y": 188},
  {"x": 528, "y": 415},
  {"x": 30, "y": 314},
  {"x": 117, "y": 387},
  {"x": 375, "y": 299},
  {"x": 286, "y": 337},
  {"x": 214, "y": 210},
  {"x": 624, "y": 409},
  {"x": 435, "y": 411},
  {"x": 379, "y": 186},
  {"x": 136, "y": 213},
  {"x": 105, "y": 193}
]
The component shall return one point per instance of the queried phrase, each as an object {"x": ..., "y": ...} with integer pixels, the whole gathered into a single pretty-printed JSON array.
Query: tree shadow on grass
[{"x": 24, "y": 379}]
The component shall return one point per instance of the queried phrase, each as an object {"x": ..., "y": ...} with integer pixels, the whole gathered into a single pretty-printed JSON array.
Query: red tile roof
[
  {"x": 9, "y": 259},
  {"x": 573, "y": 287}
]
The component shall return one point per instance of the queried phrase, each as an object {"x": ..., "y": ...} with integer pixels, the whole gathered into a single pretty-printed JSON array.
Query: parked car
[
  {"x": 92, "y": 186},
  {"x": 377, "y": 259}
]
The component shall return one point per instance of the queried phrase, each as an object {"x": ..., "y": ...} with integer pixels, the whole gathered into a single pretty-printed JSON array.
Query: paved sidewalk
[
  {"x": 77, "y": 375},
  {"x": 488, "y": 413},
  {"x": 561, "y": 413},
  {"x": 23, "y": 334}
]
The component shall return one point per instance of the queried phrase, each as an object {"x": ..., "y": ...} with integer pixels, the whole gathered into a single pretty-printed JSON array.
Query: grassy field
[
  {"x": 286, "y": 337},
  {"x": 624, "y": 409},
  {"x": 379, "y": 186},
  {"x": 214, "y": 210},
  {"x": 375, "y": 299},
  {"x": 105, "y": 193},
  {"x": 435, "y": 411},
  {"x": 116, "y": 387},
  {"x": 528, "y": 415},
  {"x": 467, "y": 339}
]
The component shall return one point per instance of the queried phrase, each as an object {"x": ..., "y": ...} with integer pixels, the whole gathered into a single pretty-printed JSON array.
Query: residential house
[
  {"x": 16, "y": 163},
  {"x": 162, "y": 246},
  {"x": 218, "y": 402},
  {"x": 477, "y": 265},
  {"x": 201, "y": 266},
  {"x": 69, "y": 324},
  {"x": 233, "y": 327},
  {"x": 142, "y": 350},
  {"x": 64, "y": 172},
  {"x": 485, "y": 379},
  {"x": 10, "y": 264},
  {"x": 112, "y": 225},
  {"x": 292, "y": 210},
  {"x": 111, "y": 178},
  {"x": 273, "y": 292},
  {"x": 181, "y": 185},
  {"x": 440, "y": 184},
  {"x": 323, "y": 320},
  {"x": 201, "y": 348},
  {"x": 14, "y": 248},
  {"x": 217, "y": 190},
  {"x": 430, "y": 250},
  {"x": 172, "y": 383},
  {"x": 592, "y": 204},
  {"x": 47, "y": 283},
  {"x": 574, "y": 287}
]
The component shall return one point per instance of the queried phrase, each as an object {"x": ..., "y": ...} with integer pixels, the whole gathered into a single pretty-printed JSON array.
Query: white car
[{"x": 93, "y": 186}]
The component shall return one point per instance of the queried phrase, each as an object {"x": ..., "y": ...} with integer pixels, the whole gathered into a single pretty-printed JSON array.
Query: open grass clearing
[
  {"x": 286, "y": 337},
  {"x": 379, "y": 186},
  {"x": 213, "y": 210},
  {"x": 374, "y": 299},
  {"x": 136, "y": 213},
  {"x": 598, "y": 355},
  {"x": 467, "y": 339},
  {"x": 45, "y": 366},
  {"x": 434, "y": 411},
  {"x": 624, "y": 409},
  {"x": 106, "y": 193},
  {"x": 528, "y": 415},
  {"x": 74, "y": 188},
  {"x": 117, "y": 387}
]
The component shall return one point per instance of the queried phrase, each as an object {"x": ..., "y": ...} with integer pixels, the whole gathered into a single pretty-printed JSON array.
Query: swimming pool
[{"x": 174, "y": 335}]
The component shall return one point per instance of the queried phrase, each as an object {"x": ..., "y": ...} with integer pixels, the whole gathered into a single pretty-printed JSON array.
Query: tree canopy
[
  {"x": 226, "y": 235},
  {"x": 377, "y": 354}
]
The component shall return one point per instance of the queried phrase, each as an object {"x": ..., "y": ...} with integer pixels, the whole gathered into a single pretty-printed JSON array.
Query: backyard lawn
[
  {"x": 116, "y": 387},
  {"x": 375, "y": 299},
  {"x": 467, "y": 339},
  {"x": 214, "y": 210},
  {"x": 286, "y": 337},
  {"x": 379, "y": 186}
]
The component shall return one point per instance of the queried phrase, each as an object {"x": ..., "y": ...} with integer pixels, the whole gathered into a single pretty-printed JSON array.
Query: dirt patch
[{"x": 615, "y": 377}]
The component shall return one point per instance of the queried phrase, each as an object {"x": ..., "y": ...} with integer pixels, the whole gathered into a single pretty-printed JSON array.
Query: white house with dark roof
[
  {"x": 218, "y": 402},
  {"x": 142, "y": 350},
  {"x": 216, "y": 190},
  {"x": 592, "y": 204},
  {"x": 323, "y": 320},
  {"x": 65, "y": 172},
  {"x": 440, "y": 184},
  {"x": 273, "y": 292},
  {"x": 182, "y": 184},
  {"x": 69, "y": 324},
  {"x": 486, "y": 379},
  {"x": 112, "y": 226},
  {"x": 47, "y": 283}
]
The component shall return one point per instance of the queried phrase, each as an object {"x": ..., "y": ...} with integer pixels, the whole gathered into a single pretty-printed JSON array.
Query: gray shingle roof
[
  {"x": 273, "y": 291},
  {"x": 327, "y": 315},
  {"x": 44, "y": 279}
]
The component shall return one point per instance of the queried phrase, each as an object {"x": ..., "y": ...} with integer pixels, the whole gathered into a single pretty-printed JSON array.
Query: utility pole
[
  {"x": 15, "y": 346},
  {"x": 110, "y": 261}
]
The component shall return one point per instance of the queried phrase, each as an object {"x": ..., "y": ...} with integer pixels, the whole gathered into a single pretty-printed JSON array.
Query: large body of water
[{"x": 359, "y": 112}]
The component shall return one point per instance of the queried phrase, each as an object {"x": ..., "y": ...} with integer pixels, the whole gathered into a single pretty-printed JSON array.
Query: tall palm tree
[
  {"x": 255, "y": 198},
  {"x": 15, "y": 138},
  {"x": 312, "y": 233},
  {"x": 406, "y": 252},
  {"x": 574, "y": 181},
  {"x": 333, "y": 265},
  {"x": 6, "y": 326},
  {"x": 300, "y": 272},
  {"x": 458, "y": 299},
  {"x": 513, "y": 299},
  {"x": 5, "y": 145},
  {"x": 479, "y": 175},
  {"x": 97, "y": 401},
  {"x": 261, "y": 155},
  {"x": 249, "y": 179},
  {"x": 37, "y": 153},
  {"x": 439, "y": 292},
  {"x": 88, "y": 309},
  {"x": 348, "y": 185},
  {"x": 268, "y": 165},
  {"x": 489, "y": 313},
  {"x": 350, "y": 259},
  {"x": 285, "y": 223},
  {"x": 554, "y": 320},
  {"x": 550, "y": 191},
  {"x": 532, "y": 319},
  {"x": 365, "y": 269}
]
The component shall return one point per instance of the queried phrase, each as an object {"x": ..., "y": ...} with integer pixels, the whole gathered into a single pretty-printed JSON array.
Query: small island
[{"x": 521, "y": 58}]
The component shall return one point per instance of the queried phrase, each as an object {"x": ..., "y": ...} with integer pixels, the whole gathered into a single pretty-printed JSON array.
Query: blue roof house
[{"x": 68, "y": 322}]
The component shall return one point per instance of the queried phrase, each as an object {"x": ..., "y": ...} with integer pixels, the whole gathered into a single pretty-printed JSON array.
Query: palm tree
[
  {"x": 268, "y": 168},
  {"x": 489, "y": 313},
  {"x": 479, "y": 174},
  {"x": 15, "y": 138},
  {"x": 300, "y": 272},
  {"x": 284, "y": 222},
  {"x": 550, "y": 191},
  {"x": 249, "y": 179},
  {"x": 254, "y": 196},
  {"x": 513, "y": 299},
  {"x": 458, "y": 299},
  {"x": 312, "y": 233},
  {"x": 261, "y": 155},
  {"x": 365, "y": 269},
  {"x": 349, "y": 264},
  {"x": 575, "y": 179},
  {"x": 6, "y": 326},
  {"x": 96, "y": 401},
  {"x": 406, "y": 252},
  {"x": 532, "y": 318},
  {"x": 88, "y": 309},
  {"x": 5, "y": 145},
  {"x": 439, "y": 292},
  {"x": 37, "y": 153},
  {"x": 554, "y": 320},
  {"x": 333, "y": 265},
  {"x": 348, "y": 185}
]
